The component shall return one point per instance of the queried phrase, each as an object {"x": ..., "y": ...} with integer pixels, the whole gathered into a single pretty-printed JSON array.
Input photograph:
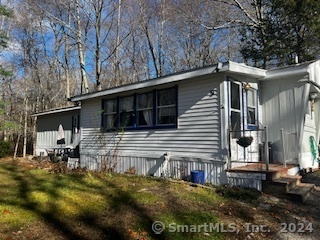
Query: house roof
[
  {"x": 57, "y": 110},
  {"x": 308, "y": 70},
  {"x": 296, "y": 69},
  {"x": 231, "y": 67}
]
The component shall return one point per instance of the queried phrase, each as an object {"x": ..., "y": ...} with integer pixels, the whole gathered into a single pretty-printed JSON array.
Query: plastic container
[{"x": 197, "y": 176}]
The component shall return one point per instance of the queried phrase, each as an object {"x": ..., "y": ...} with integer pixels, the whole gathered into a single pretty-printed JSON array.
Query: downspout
[
  {"x": 300, "y": 131},
  {"x": 228, "y": 121},
  {"x": 243, "y": 115}
]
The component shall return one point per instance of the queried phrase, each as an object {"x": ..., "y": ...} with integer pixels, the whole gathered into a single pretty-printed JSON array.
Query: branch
[
  {"x": 239, "y": 6},
  {"x": 57, "y": 19},
  {"x": 230, "y": 24}
]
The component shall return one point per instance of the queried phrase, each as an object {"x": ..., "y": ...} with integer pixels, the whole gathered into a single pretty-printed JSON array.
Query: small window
[
  {"x": 145, "y": 109},
  {"x": 126, "y": 111},
  {"x": 252, "y": 105},
  {"x": 110, "y": 114},
  {"x": 75, "y": 126},
  {"x": 166, "y": 106},
  {"x": 235, "y": 96},
  {"x": 235, "y": 124},
  {"x": 235, "y": 110}
]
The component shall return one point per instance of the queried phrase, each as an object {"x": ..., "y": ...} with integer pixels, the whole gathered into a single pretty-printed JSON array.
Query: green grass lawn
[{"x": 36, "y": 204}]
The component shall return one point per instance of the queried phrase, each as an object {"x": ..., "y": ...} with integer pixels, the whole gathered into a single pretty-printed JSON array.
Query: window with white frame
[
  {"x": 235, "y": 110},
  {"x": 75, "y": 126},
  {"x": 252, "y": 107}
]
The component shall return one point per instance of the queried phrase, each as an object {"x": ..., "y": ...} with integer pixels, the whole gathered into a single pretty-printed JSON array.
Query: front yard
[{"x": 43, "y": 202}]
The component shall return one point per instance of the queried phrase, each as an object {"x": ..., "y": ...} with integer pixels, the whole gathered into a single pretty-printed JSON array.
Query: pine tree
[{"x": 286, "y": 30}]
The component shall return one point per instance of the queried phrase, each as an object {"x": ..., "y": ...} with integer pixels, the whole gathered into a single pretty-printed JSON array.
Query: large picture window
[{"x": 154, "y": 109}]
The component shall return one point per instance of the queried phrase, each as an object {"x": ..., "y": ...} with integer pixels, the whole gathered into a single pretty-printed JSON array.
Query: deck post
[
  {"x": 229, "y": 165},
  {"x": 283, "y": 147},
  {"x": 266, "y": 147}
]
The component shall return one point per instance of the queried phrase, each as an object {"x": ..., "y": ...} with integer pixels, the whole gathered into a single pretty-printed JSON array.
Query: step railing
[
  {"x": 289, "y": 144},
  {"x": 252, "y": 153}
]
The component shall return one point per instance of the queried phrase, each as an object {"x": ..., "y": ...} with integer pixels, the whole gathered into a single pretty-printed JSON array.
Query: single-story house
[{"x": 193, "y": 120}]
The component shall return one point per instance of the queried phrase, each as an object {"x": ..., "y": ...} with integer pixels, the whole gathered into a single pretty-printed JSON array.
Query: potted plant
[{"x": 245, "y": 141}]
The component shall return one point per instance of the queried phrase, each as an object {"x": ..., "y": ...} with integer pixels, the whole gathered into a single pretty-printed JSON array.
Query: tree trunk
[
  {"x": 116, "y": 53},
  {"x": 25, "y": 130},
  {"x": 98, "y": 44},
  {"x": 84, "y": 81}
]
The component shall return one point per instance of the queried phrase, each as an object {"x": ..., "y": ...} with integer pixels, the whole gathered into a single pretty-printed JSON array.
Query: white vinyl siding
[
  {"x": 47, "y": 130},
  {"x": 284, "y": 107},
  {"x": 197, "y": 134}
]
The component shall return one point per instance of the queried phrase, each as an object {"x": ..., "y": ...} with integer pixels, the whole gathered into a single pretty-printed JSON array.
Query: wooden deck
[
  {"x": 261, "y": 168},
  {"x": 277, "y": 180}
]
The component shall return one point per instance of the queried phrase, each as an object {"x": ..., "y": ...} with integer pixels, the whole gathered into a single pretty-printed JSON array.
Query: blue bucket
[{"x": 197, "y": 176}]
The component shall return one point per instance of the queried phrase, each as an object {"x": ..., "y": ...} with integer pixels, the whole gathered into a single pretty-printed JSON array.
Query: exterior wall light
[
  {"x": 246, "y": 86},
  {"x": 312, "y": 98}
]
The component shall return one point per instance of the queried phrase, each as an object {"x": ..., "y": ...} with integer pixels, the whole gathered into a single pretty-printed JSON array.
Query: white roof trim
[
  {"x": 231, "y": 67},
  {"x": 146, "y": 83},
  {"x": 241, "y": 68},
  {"x": 58, "y": 110}
]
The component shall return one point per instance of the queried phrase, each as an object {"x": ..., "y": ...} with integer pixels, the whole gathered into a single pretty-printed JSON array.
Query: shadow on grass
[{"x": 124, "y": 213}]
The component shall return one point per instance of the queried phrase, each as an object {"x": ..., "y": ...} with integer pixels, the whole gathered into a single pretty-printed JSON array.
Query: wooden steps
[
  {"x": 301, "y": 192},
  {"x": 278, "y": 180},
  {"x": 287, "y": 186}
]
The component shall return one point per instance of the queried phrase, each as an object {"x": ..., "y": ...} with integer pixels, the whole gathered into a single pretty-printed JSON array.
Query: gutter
[
  {"x": 311, "y": 82},
  {"x": 58, "y": 110}
]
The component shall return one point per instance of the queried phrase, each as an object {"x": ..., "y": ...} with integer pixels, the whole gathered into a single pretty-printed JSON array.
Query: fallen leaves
[{"x": 137, "y": 235}]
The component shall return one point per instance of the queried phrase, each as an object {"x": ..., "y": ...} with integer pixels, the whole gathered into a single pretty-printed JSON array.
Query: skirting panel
[{"x": 170, "y": 167}]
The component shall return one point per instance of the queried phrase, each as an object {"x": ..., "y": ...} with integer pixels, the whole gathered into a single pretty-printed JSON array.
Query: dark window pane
[
  {"x": 166, "y": 106},
  {"x": 126, "y": 112},
  {"x": 145, "y": 100},
  {"x": 167, "y": 115},
  {"x": 110, "y": 114},
  {"x": 110, "y": 121},
  {"x": 235, "y": 96},
  {"x": 145, "y": 109},
  {"x": 167, "y": 97},
  {"x": 145, "y": 118},
  {"x": 126, "y": 119},
  {"x": 235, "y": 124},
  {"x": 251, "y": 116},
  {"x": 126, "y": 104},
  {"x": 110, "y": 106}
]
